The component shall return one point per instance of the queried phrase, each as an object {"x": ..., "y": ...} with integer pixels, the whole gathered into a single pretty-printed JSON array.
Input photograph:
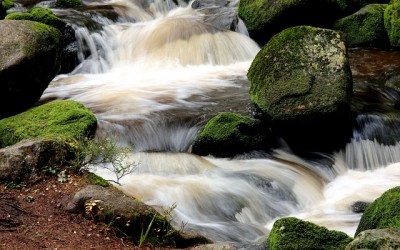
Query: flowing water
[{"x": 154, "y": 76}]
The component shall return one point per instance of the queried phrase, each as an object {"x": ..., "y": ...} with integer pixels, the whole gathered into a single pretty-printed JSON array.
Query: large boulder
[
  {"x": 365, "y": 27},
  {"x": 228, "y": 134},
  {"x": 392, "y": 22},
  {"x": 301, "y": 81},
  {"x": 384, "y": 212},
  {"x": 57, "y": 119},
  {"x": 25, "y": 160},
  {"x": 382, "y": 239},
  {"x": 130, "y": 216},
  {"x": 29, "y": 60},
  {"x": 291, "y": 233},
  {"x": 264, "y": 18}
]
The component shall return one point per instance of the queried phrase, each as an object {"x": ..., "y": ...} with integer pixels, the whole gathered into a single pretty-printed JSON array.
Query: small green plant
[
  {"x": 14, "y": 185},
  {"x": 103, "y": 152},
  {"x": 144, "y": 236},
  {"x": 50, "y": 170}
]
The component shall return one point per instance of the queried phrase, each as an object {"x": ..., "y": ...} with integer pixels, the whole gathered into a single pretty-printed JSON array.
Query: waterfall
[{"x": 155, "y": 75}]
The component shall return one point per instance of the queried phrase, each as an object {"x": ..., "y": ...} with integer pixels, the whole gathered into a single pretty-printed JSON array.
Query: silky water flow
[{"x": 154, "y": 76}]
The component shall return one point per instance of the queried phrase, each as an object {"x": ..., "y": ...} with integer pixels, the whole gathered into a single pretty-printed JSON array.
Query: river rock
[
  {"x": 228, "y": 134},
  {"x": 293, "y": 233},
  {"x": 392, "y": 24},
  {"x": 382, "y": 239},
  {"x": 264, "y": 18},
  {"x": 56, "y": 119},
  {"x": 301, "y": 81},
  {"x": 25, "y": 160},
  {"x": 359, "y": 206},
  {"x": 365, "y": 27},
  {"x": 129, "y": 215},
  {"x": 216, "y": 246},
  {"x": 382, "y": 213},
  {"x": 29, "y": 60}
]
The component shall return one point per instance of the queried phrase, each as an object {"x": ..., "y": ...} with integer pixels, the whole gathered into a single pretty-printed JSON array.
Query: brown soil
[{"x": 32, "y": 217}]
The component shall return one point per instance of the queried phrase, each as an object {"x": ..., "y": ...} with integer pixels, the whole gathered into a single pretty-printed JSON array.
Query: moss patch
[
  {"x": 57, "y": 119},
  {"x": 292, "y": 233},
  {"x": 228, "y": 134},
  {"x": 7, "y": 4},
  {"x": 365, "y": 27},
  {"x": 96, "y": 180},
  {"x": 382, "y": 213},
  {"x": 38, "y": 14},
  {"x": 392, "y": 22}
]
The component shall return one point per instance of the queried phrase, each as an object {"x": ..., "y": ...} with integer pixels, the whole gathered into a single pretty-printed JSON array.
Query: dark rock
[
  {"x": 359, "y": 206},
  {"x": 24, "y": 161},
  {"x": 29, "y": 60}
]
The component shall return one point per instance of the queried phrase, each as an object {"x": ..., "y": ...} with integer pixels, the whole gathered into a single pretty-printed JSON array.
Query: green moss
[
  {"x": 365, "y": 27},
  {"x": 57, "y": 119},
  {"x": 68, "y": 3},
  {"x": 254, "y": 13},
  {"x": 292, "y": 233},
  {"x": 301, "y": 71},
  {"x": 392, "y": 22},
  {"x": 38, "y": 14},
  {"x": 228, "y": 134},
  {"x": 382, "y": 213},
  {"x": 7, "y": 4},
  {"x": 96, "y": 180}
]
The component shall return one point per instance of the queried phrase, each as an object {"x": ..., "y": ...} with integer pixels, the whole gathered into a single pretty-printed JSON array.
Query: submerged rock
[
  {"x": 301, "y": 81},
  {"x": 228, "y": 134},
  {"x": 129, "y": 215},
  {"x": 359, "y": 206},
  {"x": 57, "y": 119},
  {"x": 292, "y": 233},
  {"x": 382, "y": 213},
  {"x": 365, "y": 27},
  {"x": 29, "y": 60}
]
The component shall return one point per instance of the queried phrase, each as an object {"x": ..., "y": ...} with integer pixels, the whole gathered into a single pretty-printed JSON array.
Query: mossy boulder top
[
  {"x": 392, "y": 22},
  {"x": 365, "y": 27},
  {"x": 228, "y": 134},
  {"x": 384, "y": 212},
  {"x": 303, "y": 72},
  {"x": 57, "y": 119},
  {"x": 292, "y": 233},
  {"x": 265, "y": 18},
  {"x": 29, "y": 60},
  {"x": 38, "y": 14}
]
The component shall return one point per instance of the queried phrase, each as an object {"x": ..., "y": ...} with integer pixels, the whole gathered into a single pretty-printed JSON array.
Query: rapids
[{"x": 155, "y": 75}]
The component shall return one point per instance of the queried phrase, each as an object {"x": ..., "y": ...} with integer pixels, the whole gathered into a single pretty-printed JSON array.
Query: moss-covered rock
[
  {"x": 27, "y": 159},
  {"x": 382, "y": 239},
  {"x": 130, "y": 216},
  {"x": 228, "y": 134},
  {"x": 29, "y": 60},
  {"x": 7, "y": 4},
  {"x": 301, "y": 81},
  {"x": 57, "y": 119},
  {"x": 292, "y": 234},
  {"x": 39, "y": 14},
  {"x": 392, "y": 22},
  {"x": 264, "y": 18},
  {"x": 384, "y": 212},
  {"x": 96, "y": 180},
  {"x": 365, "y": 27}
]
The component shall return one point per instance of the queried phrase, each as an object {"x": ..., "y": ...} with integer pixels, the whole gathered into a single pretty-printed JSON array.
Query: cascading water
[{"x": 156, "y": 74}]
